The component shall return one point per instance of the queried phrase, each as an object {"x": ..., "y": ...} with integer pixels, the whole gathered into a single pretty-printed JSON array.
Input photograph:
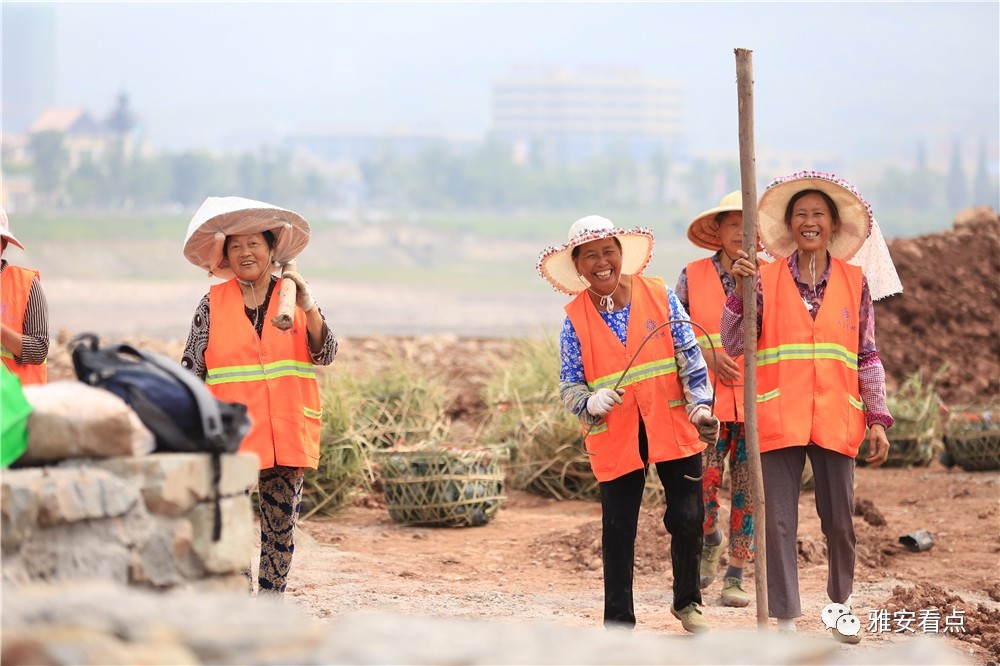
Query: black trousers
[{"x": 683, "y": 517}]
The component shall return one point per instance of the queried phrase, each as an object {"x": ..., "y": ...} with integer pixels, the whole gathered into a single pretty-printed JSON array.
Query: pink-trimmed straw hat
[{"x": 555, "y": 263}]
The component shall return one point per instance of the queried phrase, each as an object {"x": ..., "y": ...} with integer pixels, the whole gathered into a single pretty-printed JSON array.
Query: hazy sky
[{"x": 850, "y": 79}]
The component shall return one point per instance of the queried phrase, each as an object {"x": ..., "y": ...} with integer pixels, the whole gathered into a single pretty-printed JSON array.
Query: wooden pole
[
  {"x": 748, "y": 176},
  {"x": 286, "y": 298}
]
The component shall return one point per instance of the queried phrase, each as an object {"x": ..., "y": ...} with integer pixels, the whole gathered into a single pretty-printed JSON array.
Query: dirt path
[{"x": 540, "y": 560}]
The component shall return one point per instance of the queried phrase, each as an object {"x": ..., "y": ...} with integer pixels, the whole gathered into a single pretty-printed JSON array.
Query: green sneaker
[
  {"x": 691, "y": 617},
  {"x": 733, "y": 593},
  {"x": 710, "y": 561}
]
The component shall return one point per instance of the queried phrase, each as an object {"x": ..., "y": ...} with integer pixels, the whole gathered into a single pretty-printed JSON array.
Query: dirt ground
[{"x": 539, "y": 559}]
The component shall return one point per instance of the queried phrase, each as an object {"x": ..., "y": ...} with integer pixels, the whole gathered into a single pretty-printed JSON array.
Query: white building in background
[{"x": 555, "y": 115}]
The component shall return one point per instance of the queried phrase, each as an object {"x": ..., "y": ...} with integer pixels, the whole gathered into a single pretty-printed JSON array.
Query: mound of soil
[
  {"x": 973, "y": 623},
  {"x": 580, "y": 549},
  {"x": 949, "y": 309}
]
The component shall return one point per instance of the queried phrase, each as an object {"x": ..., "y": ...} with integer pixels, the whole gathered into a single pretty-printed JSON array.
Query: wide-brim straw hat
[
  {"x": 704, "y": 230},
  {"x": 555, "y": 263},
  {"x": 219, "y": 217},
  {"x": 5, "y": 230},
  {"x": 855, "y": 213}
]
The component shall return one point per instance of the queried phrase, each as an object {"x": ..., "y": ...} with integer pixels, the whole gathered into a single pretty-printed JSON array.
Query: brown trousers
[{"x": 834, "y": 478}]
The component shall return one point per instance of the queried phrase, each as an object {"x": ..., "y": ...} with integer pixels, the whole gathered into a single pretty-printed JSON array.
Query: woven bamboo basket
[
  {"x": 915, "y": 436},
  {"x": 443, "y": 486},
  {"x": 975, "y": 451},
  {"x": 906, "y": 450}
]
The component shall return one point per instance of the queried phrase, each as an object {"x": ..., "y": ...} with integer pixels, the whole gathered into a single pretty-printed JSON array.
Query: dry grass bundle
[
  {"x": 527, "y": 414},
  {"x": 398, "y": 405}
]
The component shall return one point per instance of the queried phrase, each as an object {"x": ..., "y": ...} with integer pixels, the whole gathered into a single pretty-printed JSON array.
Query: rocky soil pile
[{"x": 949, "y": 310}]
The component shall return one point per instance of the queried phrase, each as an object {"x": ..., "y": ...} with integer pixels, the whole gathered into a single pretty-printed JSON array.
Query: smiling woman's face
[
  {"x": 249, "y": 255},
  {"x": 812, "y": 223},
  {"x": 600, "y": 263}
]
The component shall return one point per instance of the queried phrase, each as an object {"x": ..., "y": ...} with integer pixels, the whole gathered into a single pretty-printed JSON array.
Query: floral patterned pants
[
  {"x": 732, "y": 443},
  {"x": 280, "y": 493}
]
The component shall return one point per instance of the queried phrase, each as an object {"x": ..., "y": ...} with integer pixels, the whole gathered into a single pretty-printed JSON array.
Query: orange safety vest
[
  {"x": 15, "y": 290},
  {"x": 807, "y": 370},
  {"x": 706, "y": 298},
  {"x": 273, "y": 375},
  {"x": 653, "y": 391}
]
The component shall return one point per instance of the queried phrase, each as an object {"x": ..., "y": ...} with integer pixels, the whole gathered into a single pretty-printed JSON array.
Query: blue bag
[{"x": 175, "y": 405}]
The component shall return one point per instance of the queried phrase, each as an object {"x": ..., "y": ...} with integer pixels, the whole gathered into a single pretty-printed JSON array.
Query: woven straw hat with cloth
[
  {"x": 858, "y": 241},
  {"x": 219, "y": 217},
  {"x": 555, "y": 263}
]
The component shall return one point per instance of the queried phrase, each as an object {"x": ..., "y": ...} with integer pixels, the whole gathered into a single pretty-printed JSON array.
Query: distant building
[
  {"x": 84, "y": 139},
  {"x": 29, "y": 65},
  {"x": 554, "y": 115}
]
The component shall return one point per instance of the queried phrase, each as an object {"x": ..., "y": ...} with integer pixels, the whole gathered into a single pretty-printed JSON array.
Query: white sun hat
[
  {"x": 858, "y": 241},
  {"x": 5, "y": 229},
  {"x": 555, "y": 263},
  {"x": 219, "y": 217},
  {"x": 704, "y": 230}
]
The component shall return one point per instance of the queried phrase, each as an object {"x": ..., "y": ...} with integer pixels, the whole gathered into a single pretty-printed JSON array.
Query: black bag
[{"x": 174, "y": 404}]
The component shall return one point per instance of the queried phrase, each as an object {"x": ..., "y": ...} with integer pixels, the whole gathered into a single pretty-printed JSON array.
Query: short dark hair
[
  {"x": 834, "y": 213},
  {"x": 576, "y": 250},
  {"x": 268, "y": 235}
]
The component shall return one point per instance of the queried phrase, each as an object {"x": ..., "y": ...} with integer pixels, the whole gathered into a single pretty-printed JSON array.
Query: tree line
[{"x": 484, "y": 178}]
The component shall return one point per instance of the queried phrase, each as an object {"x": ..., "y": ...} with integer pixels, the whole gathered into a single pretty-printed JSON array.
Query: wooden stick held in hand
[
  {"x": 286, "y": 299},
  {"x": 748, "y": 177}
]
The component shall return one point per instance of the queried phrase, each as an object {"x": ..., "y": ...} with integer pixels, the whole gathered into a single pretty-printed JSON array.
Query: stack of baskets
[
  {"x": 973, "y": 441},
  {"x": 443, "y": 486}
]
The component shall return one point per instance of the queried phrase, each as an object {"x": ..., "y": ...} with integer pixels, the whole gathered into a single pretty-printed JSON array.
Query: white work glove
[
  {"x": 600, "y": 404},
  {"x": 701, "y": 417},
  {"x": 303, "y": 296}
]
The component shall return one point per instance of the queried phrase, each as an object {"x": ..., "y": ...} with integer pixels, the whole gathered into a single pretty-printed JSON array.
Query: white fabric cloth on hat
[{"x": 876, "y": 263}]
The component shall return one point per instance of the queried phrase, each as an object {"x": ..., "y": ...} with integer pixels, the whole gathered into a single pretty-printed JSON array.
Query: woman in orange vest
[
  {"x": 24, "y": 324},
  {"x": 702, "y": 288},
  {"x": 820, "y": 380},
  {"x": 660, "y": 413},
  {"x": 243, "y": 358}
]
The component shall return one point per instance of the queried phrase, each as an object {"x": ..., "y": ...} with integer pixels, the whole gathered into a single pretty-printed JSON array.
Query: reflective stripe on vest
[
  {"x": 15, "y": 287},
  {"x": 807, "y": 370},
  {"x": 808, "y": 352},
  {"x": 272, "y": 375},
  {"x": 252, "y": 373},
  {"x": 653, "y": 389},
  {"x": 706, "y": 298},
  {"x": 636, "y": 373}
]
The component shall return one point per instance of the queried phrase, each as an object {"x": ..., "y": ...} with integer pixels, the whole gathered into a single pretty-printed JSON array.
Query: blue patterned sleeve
[
  {"x": 682, "y": 288},
  {"x": 682, "y": 334},
  {"x": 573, "y": 389},
  {"x": 571, "y": 369},
  {"x": 691, "y": 367}
]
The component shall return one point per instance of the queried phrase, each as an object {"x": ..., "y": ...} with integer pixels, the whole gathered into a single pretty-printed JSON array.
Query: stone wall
[{"x": 144, "y": 521}]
